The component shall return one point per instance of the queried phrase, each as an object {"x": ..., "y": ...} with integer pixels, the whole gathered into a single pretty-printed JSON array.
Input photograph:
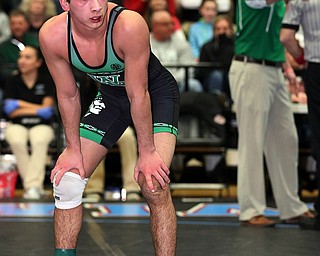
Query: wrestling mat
[{"x": 105, "y": 210}]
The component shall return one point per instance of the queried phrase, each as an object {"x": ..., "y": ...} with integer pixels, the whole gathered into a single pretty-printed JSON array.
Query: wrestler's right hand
[{"x": 68, "y": 161}]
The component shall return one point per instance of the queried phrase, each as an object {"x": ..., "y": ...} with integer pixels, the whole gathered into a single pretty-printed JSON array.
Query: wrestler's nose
[{"x": 96, "y": 6}]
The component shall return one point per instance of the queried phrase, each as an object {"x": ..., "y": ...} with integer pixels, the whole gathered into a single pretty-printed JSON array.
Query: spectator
[
  {"x": 219, "y": 50},
  {"x": 5, "y": 32},
  {"x": 169, "y": 49},
  {"x": 161, "y": 5},
  {"x": 307, "y": 14},
  {"x": 9, "y": 50},
  {"x": 201, "y": 31},
  {"x": 264, "y": 116},
  {"x": 38, "y": 11},
  {"x": 29, "y": 105}
]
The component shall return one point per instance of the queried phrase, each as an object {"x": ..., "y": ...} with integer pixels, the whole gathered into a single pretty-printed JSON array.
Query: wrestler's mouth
[{"x": 96, "y": 19}]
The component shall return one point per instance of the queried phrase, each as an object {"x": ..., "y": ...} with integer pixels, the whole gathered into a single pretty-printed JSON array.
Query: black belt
[{"x": 256, "y": 61}]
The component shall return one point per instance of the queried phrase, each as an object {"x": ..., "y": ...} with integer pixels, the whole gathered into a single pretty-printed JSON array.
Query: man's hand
[
  {"x": 292, "y": 79},
  {"x": 151, "y": 165},
  {"x": 67, "y": 161}
]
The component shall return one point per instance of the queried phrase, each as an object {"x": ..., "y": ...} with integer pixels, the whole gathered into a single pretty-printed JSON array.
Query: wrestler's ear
[{"x": 65, "y": 5}]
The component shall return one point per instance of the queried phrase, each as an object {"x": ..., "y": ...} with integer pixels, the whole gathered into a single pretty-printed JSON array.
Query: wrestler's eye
[{"x": 82, "y": 1}]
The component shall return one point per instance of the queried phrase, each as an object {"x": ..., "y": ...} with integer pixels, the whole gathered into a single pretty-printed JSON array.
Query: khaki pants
[
  {"x": 129, "y": 155},
  {"x": 31, "y": 167},
  {"x": 266, "y": 128}
]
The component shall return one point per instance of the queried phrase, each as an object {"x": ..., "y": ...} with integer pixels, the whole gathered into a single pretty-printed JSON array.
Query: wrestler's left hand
[{"x": 151, "y": 165}]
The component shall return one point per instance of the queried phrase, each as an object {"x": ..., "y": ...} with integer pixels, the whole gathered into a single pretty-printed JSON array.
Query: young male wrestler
[{"x": 111, "y": 45}]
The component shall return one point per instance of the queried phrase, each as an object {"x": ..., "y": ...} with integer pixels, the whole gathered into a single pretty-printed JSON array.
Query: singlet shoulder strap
[
  {"x": 74, "y": 56},
  {"x": 112, "y": 56}
]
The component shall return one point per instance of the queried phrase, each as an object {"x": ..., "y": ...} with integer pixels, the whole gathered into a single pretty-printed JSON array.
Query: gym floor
[{"x": 207, "y": 225}]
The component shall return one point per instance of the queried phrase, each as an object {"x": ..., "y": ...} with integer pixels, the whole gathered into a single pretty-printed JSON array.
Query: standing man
[
  {"x": 307, "y": 14},
  {"x": 265, "y": 120},
  {"x": 111, "y": 45}
]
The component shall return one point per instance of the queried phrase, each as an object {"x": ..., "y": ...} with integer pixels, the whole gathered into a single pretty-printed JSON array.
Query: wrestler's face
[{"x": 88, "y": 13}]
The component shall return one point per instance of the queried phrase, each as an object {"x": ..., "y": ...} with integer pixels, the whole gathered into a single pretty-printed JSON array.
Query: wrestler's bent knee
[
  {"x": 160, "y": 195},
  {"x": 68, "y": 194}
]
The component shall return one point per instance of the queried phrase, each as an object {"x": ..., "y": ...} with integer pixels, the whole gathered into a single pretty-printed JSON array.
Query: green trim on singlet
[
  {"x": 111, "y": 71},
  {"x": 162, "y": 127},
  {"x": 65, "y": 252},
  {"x": 91, "y": 133}
]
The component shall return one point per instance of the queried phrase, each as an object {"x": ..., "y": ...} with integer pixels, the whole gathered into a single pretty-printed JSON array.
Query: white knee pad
[{"x": 68, "y": 194}]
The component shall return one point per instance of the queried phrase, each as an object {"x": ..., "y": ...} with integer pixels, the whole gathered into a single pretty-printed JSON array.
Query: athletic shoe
[{"x": 32, "y": 194}]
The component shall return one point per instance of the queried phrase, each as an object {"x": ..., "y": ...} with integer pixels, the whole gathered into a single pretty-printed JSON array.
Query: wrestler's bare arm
[
  {"x": 133, "y": 41},
  {"x": 54, "y": 49}
]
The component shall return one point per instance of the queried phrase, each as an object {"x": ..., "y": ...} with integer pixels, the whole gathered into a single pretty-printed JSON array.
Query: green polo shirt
[{"x": 258, "y": 31}]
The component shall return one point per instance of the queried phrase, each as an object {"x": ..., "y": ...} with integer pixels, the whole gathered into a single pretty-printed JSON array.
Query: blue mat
[{"x": 102, "y": 210}]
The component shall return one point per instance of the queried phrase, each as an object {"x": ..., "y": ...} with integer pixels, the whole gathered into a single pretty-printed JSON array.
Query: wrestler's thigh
[
  {"x": 92, "y": 153},
  {"x": 165, "y": 145}
]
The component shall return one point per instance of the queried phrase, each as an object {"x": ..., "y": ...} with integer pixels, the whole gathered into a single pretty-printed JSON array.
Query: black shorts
[{"x": 109, "y": 114}]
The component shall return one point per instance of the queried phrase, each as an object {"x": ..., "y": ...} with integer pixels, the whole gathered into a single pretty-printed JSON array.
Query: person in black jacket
[
  {"x": 29, "y": 102},
  {"x": 219, "y": 50}
]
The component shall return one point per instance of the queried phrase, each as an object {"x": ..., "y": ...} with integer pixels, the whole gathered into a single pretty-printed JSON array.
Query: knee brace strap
[{"x": 68, "y": 194}]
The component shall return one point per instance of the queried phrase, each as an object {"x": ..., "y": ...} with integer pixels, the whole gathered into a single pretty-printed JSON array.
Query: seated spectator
[
  {"x": 5, "y": 32},
  {"x": 162, "y": 5},
  {"x": 38, "y": 11},
  {"x": 201, "y": 31},
  {"x": 29, "y": 106},
  {"x": 170, "y": 49},
  {"x": 219, "y": 50},
  {"x": 10, "y": 49}
]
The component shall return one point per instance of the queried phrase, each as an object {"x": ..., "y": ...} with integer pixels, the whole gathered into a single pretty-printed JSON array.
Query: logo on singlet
[
  {"x": 115, "y": 66},
  {"x": 113, "y": 80},
  {"x": 96, "y": 106}
]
